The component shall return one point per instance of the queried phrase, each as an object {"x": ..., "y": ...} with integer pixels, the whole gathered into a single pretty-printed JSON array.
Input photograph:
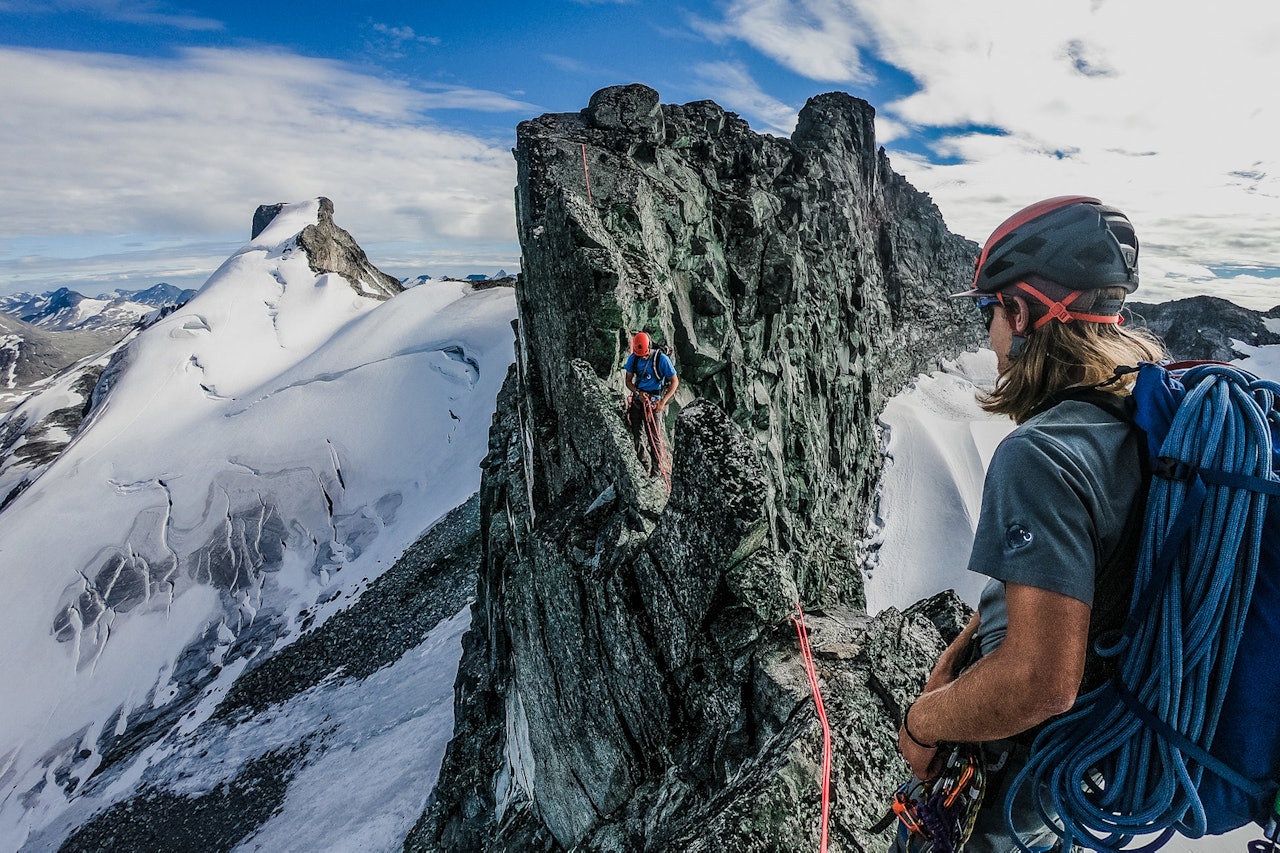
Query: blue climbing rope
[{"x": 1126, "y": 762}]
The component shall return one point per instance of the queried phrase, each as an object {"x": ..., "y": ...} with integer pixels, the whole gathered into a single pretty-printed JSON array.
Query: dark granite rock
[
  {"x": 1204, "y": 327},
  {"x": 263, "y": 216},
  {"x": 632, "y": 681},
  {"x": 331, "y": 249},
  {"x": 630, "y": 109}
]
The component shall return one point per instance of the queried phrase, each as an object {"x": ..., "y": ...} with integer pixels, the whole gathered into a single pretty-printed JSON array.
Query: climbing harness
[
  {"x": 1198, "y": 684},
  {"x": 943, "y": 811},
  {"x": 806, "y": 655}
]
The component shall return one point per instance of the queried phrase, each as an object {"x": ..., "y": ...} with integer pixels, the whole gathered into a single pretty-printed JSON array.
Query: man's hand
[
  {"x": 924, "y": 763},
  {"x": 657, "y": 407}
]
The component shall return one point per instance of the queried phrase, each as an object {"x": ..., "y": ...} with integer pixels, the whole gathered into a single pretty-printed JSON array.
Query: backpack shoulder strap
[
  {"x": 1121, "y": 407},
  {"x": 1114, "y": 578}
]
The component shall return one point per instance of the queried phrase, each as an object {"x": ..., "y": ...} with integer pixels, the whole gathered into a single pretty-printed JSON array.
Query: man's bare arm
[
  {"x": 1034, "y": 674},
  {"x": 671, "y": 391}
]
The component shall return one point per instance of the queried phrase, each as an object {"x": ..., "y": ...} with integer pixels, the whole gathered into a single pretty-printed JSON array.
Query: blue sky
[{"x": 140, "y": 135}]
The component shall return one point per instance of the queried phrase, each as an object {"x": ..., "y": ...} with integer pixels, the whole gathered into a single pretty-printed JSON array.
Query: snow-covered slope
[{"x": 251, "y": 461}]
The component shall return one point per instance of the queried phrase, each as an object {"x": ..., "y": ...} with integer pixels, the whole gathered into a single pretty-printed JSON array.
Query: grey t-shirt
[{"x": 1054, "y": 506}]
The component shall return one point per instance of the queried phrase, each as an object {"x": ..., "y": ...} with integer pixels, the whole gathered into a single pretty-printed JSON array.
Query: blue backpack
[{"x": 1185, "y": 736}]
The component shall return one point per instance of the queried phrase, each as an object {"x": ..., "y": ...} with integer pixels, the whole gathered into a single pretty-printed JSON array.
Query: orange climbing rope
[
  {"x": 806, "y": 654},
  {"x": 655, "y": 440},
  {"x": 586, "y": 175}
]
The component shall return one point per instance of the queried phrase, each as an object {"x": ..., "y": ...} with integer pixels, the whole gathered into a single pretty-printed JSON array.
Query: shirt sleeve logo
[{"x": 1017, "y": 537}]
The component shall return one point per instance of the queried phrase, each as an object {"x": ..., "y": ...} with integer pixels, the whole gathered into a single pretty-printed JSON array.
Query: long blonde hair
[{"x": 1059, "y": 355}]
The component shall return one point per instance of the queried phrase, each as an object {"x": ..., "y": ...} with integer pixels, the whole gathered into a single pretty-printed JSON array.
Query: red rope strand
[
  {"x": 806, "y": 654},
  {"x": 655, "y": 440}
]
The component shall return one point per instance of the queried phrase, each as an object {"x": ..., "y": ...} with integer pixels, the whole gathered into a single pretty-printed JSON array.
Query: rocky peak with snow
[
  {"x": 1207, "y": 327},
  {"x": 187, "y": 505},
  {"x": 120, "y": 312},
  {"x": 331, "y": 249},
  {"x": 632, "y": 680}
]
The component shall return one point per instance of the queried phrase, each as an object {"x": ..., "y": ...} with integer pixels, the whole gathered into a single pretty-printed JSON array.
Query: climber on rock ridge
[{"x": 652, "y": 382}]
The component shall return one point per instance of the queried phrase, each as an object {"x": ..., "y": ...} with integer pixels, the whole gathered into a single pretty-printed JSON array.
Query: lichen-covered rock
[
  {"x": 799, "y": 281},
  {"x": 633, "y": 681}
]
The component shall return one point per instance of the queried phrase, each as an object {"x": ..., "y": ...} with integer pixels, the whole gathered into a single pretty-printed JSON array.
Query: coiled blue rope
[{"x": 1110, "y": 771}]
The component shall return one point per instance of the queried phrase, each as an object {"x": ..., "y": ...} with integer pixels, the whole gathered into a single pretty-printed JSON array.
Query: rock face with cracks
[{"x": 632, "y": 680}]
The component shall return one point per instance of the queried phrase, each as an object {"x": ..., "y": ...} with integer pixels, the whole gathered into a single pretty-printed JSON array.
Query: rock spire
[{"x": 631, "y": 681}]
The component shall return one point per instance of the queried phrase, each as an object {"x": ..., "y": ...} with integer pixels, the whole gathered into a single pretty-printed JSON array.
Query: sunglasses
[{"x": 987, "y": 305}]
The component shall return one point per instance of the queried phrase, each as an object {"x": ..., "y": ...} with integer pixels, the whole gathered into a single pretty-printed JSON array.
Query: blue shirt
[{"x": 651, "y": 372}]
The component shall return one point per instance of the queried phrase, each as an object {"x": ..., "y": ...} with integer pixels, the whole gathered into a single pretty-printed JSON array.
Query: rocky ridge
[
  {"x": 631, "y": 680},
  {"x": 1206, "y": 327}
]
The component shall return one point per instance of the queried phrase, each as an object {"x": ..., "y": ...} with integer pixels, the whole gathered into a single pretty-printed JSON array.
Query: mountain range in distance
[
  {"x": 42, "y": 334},
  {"x": 65, "y": 309}
]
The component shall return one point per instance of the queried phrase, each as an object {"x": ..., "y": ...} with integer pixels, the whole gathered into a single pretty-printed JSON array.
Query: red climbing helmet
[
  {"x": 640, "y": 344},
  {"x": 1071, "y": 240}
]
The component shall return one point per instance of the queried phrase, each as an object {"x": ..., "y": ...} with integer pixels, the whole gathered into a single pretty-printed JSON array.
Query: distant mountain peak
[{"x": 332, "y": 249}]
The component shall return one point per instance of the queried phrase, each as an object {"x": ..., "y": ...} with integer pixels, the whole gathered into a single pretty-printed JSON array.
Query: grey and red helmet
[{"x": 1074, "y": 241}]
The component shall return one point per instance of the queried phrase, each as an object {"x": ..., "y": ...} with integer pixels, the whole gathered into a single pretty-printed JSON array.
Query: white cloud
[
  {"x": 1147, "y": 108},
  {"x": 818, "y": 39},
  {"x": 188, "y": 147},
  {"x": 1157, "y": 108},
  {"x": 187, "y": 265},
  {"x": 733, "y": 88},
  {"x": 1165, "y": 278},
  {"x": 141, "y": 12},
  {"x": 567, "y": 64},
  {"x": 401, "y": 35}
]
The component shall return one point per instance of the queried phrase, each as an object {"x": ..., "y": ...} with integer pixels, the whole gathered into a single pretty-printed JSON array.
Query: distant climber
[{"x": 651, "y": 379}]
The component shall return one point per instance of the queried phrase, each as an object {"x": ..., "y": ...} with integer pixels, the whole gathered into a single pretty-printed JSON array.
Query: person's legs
[
  {"x": 653, "y": 431},
  {"x": 639, "y": 432}
]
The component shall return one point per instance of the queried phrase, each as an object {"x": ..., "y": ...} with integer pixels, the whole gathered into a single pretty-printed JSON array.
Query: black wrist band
[{"x": 906, "y": 728}]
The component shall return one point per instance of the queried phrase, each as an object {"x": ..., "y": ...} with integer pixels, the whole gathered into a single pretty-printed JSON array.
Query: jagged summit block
[
  {"x": 332, "y": 249},
  {"x": 633, "y": 109}
]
